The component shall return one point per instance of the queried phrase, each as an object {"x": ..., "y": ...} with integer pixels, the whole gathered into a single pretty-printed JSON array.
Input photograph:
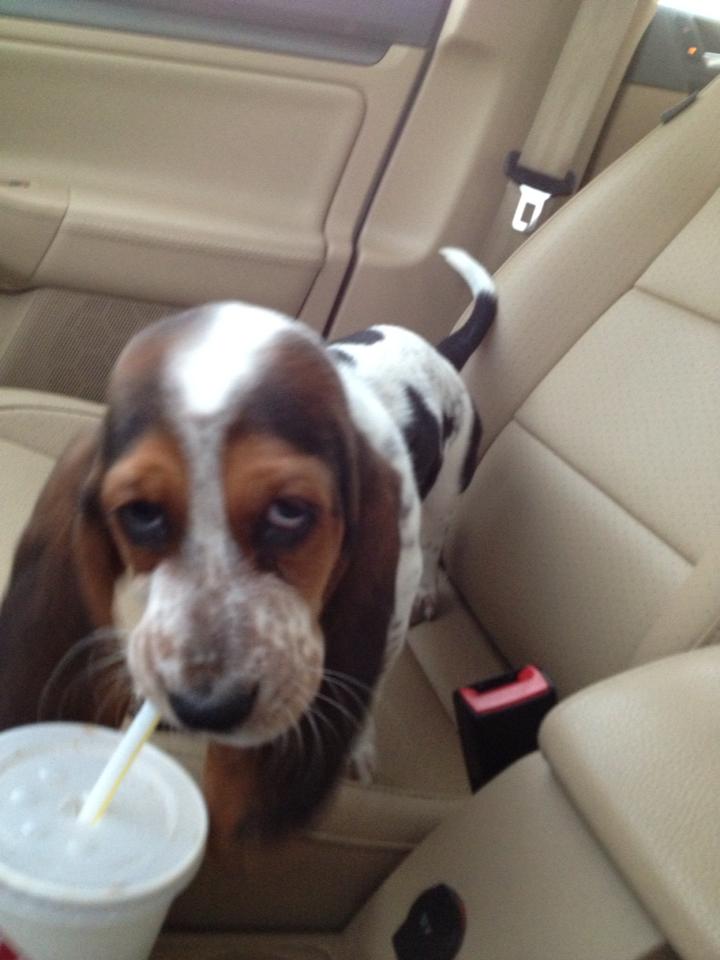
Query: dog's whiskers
[
  {"x": 340, "y": 682},
  {"x": 315, "y": 725},
  {"x": 296, "y": 732},
  {"x": 389, "y": 706},
  {"x": 315, "y": 758},
  {"x": 115, "y": 688},
  {"x": 348, "y": 679},
  {"x": 354, "y": 721},
  {"x": 94, "y": 643}
]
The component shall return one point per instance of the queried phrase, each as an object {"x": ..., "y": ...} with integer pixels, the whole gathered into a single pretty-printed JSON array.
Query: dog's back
[
  {"x": 419, "y": 384},
  {"x": 421, "y": 388}
]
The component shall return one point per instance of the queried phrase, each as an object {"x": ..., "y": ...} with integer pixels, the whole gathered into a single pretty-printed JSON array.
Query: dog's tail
[{"x": 459, "y": 345}]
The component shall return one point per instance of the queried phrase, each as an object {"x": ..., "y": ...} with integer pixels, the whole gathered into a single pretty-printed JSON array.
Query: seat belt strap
[{"x": 597, "y": 51}]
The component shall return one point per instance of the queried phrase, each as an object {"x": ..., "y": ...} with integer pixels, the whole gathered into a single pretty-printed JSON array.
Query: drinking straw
[{"x": 107, "y": 784}]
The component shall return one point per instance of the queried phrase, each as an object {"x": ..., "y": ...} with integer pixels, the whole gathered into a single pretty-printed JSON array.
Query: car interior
[{"x": 313, "y": 157}]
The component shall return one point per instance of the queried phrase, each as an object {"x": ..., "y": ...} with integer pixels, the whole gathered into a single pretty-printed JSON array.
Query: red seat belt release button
[
  {"x": 498, "y": 720},
  {"x": 526, "y": 684},
  {"x": 7, "y": 951}
]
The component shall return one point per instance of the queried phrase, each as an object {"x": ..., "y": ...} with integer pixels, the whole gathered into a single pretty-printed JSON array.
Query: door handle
[{"x": 31, "y": 212}]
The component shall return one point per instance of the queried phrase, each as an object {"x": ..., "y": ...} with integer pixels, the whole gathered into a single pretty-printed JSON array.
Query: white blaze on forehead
[{"x": 209, "y": 367}]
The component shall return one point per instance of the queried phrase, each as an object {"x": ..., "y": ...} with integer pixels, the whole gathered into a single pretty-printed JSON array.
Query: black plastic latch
[
  {"x": 499, "y": 719},
  {"x": 667, "y": 115},
  {"x": 434, "y": 927},
  {"x": 555, "y": 186}
]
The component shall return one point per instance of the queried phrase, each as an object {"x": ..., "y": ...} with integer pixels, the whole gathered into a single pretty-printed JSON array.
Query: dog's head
[{"x": 229, "y": 481}]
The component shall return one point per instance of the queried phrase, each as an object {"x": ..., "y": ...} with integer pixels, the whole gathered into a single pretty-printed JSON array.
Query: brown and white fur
[{"x": 263, "y": 493}]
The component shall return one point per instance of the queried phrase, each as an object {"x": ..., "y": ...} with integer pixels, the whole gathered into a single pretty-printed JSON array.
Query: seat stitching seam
[
  {"x": 677, "y": 304},
  {"x": 593, "y": 483}
]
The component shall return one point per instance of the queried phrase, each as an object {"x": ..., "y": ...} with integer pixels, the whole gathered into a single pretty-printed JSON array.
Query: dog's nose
[{"x": 210, "y": 710}]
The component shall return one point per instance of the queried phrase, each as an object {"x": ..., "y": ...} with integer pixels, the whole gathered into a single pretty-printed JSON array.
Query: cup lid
[{"x": 149, "y": 843}]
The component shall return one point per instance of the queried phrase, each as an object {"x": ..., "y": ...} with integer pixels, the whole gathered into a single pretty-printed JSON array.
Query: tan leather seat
[
  {"x": 589, "y": 540},
  {"x": 34, "y": 429}
]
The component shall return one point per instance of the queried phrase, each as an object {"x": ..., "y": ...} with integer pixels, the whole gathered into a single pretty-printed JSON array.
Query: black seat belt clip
[{"x": 499, "y": 719}]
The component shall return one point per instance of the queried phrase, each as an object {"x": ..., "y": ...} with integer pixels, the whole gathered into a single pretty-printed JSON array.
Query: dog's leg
[
  {"x": 460, "y": 458},
  {"x": 362, "y": 762},
  {"x": 363, "y": 759},
  {"x": 436, "y": 515}
]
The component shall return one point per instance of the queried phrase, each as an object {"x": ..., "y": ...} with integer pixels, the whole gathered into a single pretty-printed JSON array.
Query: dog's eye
[
  {"x": 286, "y": 522},
  {"x": 145, "y": 524}
]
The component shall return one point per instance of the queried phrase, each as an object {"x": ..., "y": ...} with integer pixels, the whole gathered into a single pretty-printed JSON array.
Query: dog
[{"x": 262, "y": 490}]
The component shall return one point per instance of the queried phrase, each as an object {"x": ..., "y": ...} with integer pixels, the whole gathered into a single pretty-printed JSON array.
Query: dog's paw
[
  {"x": 425, "y": 607},
  {"x": 362, "y": 762}
]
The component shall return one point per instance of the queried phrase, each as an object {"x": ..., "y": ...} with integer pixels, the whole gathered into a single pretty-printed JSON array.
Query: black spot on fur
[
  {"x": 364, "y": 337},
  {"x": 422, "y": 435},
  {"x": 341, "y": 357},
  {"x": 471, "y": 456},
  {"x": 448, "y": 427}
]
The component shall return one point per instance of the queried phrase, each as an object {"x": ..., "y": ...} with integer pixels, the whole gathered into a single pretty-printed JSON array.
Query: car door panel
[
  {"x": 187, "y": 173},
  {"x": 342, "y": 30}
]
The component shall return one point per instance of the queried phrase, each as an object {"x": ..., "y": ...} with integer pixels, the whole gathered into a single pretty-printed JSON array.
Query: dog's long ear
[
  {"x": 59, "y": 594},
  {"x": 292, "y": 779}
]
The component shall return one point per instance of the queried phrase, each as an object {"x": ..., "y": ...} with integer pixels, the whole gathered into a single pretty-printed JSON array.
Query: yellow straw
[{"x": 108, "y": 783}]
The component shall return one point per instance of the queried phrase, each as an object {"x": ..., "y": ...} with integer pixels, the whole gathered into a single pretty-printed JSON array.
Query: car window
[{"x": 681, "y": 49}]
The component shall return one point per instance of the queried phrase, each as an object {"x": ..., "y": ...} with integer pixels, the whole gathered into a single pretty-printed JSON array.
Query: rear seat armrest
[{"x": 639, "y": 755}]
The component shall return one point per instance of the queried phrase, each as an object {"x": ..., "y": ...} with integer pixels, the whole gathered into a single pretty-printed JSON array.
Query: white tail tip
[{"x": 473, "y": 273}]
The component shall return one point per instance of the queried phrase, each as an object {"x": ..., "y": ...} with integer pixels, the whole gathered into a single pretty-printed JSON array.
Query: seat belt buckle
[
  {"x": 499, "y": 719},
  {"x": 529, "y": 208},
  {"x": 536, "y": 188}
]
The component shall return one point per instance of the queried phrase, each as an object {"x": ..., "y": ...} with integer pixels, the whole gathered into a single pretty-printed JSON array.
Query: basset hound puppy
[{"x": 263, "y": 492}]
